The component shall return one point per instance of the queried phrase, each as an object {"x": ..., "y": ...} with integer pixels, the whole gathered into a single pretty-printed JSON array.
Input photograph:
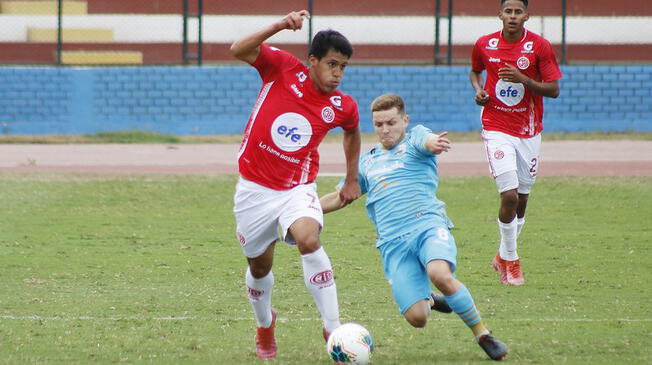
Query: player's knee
[
  {"x": 509, "y": 198},
  {"x": 308, "y": 244},
  {"x": 445, "y": 283},
  {"x": 417, "y": 314},
  {"x": 417, "y": 321},
  {"x": 260, "y": 271}
]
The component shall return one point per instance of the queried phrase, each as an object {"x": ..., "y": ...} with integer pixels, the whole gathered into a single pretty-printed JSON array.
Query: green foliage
[{"x": 134, "y": 269}]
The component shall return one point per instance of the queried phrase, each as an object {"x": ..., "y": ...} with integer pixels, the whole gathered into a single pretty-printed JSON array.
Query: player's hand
[
  {"x": 438, "y": 143},
  {"x": 481, "y": 97},
  {"x": 294, "y": 20},
  {"x": 510, "y": 73},
  {"x": 350, "y": 191}
]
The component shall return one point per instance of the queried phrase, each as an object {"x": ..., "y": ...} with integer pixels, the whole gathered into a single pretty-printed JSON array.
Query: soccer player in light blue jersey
[{"x": 399, "y": 176}]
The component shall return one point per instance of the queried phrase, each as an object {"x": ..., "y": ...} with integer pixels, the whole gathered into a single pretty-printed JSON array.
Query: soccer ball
[{"x": 350, "y": 343}]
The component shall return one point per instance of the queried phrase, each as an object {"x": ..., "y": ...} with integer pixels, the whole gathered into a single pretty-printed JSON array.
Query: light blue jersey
[{"x": 401, "y": 184}]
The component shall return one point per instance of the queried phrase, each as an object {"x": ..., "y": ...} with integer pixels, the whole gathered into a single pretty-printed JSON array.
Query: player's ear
[{"x": 313, "y": 60}]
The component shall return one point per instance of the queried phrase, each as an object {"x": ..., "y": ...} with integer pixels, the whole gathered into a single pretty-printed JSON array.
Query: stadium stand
[{"x": 406, "y": 34}]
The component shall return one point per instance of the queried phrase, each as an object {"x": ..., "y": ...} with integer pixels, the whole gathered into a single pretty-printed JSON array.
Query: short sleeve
[
  {"x": 477, "y": 64},
  {"x": 271, "y": 61},
  {"x": 418, "y": 136},
  {"x": 354, "y": 120},
  {"x": 547, "y": 63}
]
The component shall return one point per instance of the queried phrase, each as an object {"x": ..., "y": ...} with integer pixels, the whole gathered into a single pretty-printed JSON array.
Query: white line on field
[{"x": 227, "y": 319}]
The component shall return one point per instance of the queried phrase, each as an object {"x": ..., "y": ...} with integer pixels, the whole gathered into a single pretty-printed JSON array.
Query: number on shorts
[{"x": 533, "y": 168}]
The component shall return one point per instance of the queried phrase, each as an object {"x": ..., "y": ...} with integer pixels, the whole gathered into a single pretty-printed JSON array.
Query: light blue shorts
[{"x": 405, "y": 259}]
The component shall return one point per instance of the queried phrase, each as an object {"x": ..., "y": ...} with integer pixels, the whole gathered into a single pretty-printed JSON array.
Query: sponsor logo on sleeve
[
  {"x": 510, "y": 93},
  {"x": 528, "y": 47},
  {"x": 301, "y": 76},
  {"x": 291, "y": 131}
]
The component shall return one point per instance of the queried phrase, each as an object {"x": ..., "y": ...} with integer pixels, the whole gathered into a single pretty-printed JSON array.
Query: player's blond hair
[{"x": 387, "y": 102}]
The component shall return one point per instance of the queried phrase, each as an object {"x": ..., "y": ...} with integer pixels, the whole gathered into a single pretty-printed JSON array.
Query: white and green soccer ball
[{"x": 350, "y": 343}]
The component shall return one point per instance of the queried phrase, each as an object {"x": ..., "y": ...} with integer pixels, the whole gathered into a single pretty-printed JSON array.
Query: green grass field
[{"x": 133, "y": 269}]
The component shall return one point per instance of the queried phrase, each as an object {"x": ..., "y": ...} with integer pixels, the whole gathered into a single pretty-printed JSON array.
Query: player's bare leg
[
  {"x": 317, "y": 271},
  {"x": 260, "y": 282},
  {"x": 520, "y": 212}
]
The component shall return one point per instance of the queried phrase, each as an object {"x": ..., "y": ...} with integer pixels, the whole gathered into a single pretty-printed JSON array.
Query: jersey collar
[{"x": 502, "y": 39}]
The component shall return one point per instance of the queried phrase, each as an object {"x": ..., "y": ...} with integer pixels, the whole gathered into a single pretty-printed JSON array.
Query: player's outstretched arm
[
  {"x": 351, "y": 189},
  {"x": 481, "y": 96},
  {"x": 331, "y": 202},
  {"x": 438, "y": 143},
  {"x": 248, "y": 47}
]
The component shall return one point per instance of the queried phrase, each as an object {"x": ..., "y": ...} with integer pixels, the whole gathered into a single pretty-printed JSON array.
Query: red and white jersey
[
  {"x": 288, "y": 122},
  {"x": 513, "y": 108}
]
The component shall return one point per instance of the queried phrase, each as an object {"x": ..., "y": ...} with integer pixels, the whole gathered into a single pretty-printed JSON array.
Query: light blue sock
[{"x": 461, "y": 303}]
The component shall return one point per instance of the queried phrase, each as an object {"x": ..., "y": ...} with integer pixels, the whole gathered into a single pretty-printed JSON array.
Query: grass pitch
[{"x": 133, "y": 269}]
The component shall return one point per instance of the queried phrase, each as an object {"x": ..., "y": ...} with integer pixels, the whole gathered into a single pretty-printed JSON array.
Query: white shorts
[
  {"x": 508, "y": 153},
  {"x": 260, "y": 211}
]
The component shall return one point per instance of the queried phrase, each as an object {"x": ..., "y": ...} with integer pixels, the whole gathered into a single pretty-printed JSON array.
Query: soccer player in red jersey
[
  {"x": 521, "y": 70},
  {"x": 278, "y": 163}
]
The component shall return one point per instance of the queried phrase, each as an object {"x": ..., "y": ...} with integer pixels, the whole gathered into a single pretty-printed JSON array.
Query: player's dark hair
[
  {"x": 523, "y": 1},
  {"x": 326, "y": 40},
  {"x": 387, "y": 102}
]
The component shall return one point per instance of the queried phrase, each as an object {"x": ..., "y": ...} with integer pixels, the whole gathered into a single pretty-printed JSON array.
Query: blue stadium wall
[{"x": 217, "y": 100}]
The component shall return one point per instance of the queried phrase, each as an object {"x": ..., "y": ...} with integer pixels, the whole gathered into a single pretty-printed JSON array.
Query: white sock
[
  {"x": 318, "y": 276},
  {"x": 519, "y": 222},
  {"x": 508, "y": 240},
  {"x": 259, "y": 292}
]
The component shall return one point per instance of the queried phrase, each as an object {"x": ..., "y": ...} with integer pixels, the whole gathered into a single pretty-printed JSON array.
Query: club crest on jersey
[
  {"x": 492, "y": 44},
  {"x": 510, "y": 93},
  {"x": 498, "y": 155},
  {"x": 328, "y": 114},
  {"x": 523, "y": 63},
  {"x": 291, "y": 131},
  {"x": 528, "y": 47}
]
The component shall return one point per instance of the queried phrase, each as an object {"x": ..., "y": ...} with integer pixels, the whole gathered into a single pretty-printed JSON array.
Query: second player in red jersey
[
  {"x": 521, "y": 69},
  {"x": 513, "y": 108}
]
